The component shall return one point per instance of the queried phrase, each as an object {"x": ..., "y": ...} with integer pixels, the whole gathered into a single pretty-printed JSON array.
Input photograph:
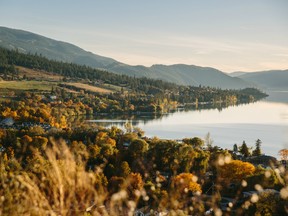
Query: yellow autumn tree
[
  {"x": 6, "y": 112},
  {"x": 183, "y": 187},
  {"x": 135, "y": 183},
  {"x": 9, "y": 113},
  {"x": 186, "y": 182},
  {"x": 63, "y": 122},
  {"x": 235, "y": 171},
  {"x": 100, "y": 138},
  {"x": 103, "y": 138}
]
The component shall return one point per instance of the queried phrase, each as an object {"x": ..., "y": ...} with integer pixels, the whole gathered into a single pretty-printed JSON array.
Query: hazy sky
[{"x": 230, "y": 35}]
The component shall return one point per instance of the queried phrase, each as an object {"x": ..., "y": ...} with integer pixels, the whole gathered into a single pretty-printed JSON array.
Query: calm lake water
[{"x": 266, "y": 120}]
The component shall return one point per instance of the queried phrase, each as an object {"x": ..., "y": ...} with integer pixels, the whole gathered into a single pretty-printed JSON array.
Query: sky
[{"x": 229, "y": 35}]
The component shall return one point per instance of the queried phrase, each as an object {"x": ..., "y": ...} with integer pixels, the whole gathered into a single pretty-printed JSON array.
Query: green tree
[
  {"x": 196, "y": 142},
  {"x": 269, "y": 203},
  {"x": 257, "y": 151},
  {"x": 137, "y": 148},
  {"x": 244, "y": 149},
  {"x": 124, "y": 170},
  {"x": 235, "y": 148}
]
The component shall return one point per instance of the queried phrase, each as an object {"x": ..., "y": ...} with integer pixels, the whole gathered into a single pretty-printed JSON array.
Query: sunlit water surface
[{"x": 266, "y": 120}]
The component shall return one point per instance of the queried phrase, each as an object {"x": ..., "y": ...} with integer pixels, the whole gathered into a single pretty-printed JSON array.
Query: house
[
  {"x": 7, "y": 122},
  {"x": 263, "y": 160},
  {"x": 126, "y": 145},
  {"x": 52, "y": 97}
]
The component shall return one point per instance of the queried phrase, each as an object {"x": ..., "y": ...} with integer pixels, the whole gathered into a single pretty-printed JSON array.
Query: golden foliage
[
  {"x": 236, "y": 170},
  {"x": 60, "y": 187},
  {"x": 283, "y": 154},
  {"x": 186, "y": 182}
]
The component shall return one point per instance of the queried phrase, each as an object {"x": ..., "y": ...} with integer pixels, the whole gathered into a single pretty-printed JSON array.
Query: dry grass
[
  {"x": 57, "y": 185},
  {"x": 90, "y": 88},
  {"x": 27, "y": 85},
  {"x": 37, "y": 74}
]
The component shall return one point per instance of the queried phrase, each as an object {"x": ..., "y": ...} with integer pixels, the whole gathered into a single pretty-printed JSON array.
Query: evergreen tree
[
  {"x": 244, "y": 150},
  {"x": 257, "y": 151},
  {"x": 235, "y": 148}
]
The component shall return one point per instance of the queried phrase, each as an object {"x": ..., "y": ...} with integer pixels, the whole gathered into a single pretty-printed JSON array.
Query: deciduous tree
[
  {"x": 236, "y": 171},
  {"x": 195, "y": 142},
  {"x": 283, "y": 154},
  {"x": 186, "y": 182}
]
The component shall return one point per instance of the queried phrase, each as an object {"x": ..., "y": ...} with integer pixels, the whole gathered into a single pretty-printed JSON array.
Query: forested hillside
[
  {"x": 147, "y": 86},
  {"x": 27, "y": 42}
]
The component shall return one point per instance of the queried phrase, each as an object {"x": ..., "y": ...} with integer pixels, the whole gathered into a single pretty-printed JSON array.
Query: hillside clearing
[
  {"x": 27, "y": 85},
  {"x": 38, "y": 74},
  {"x": 90, "y": 88}
]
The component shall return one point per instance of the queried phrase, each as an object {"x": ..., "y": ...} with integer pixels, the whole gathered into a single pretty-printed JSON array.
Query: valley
[{"x": 84, "y": 134}]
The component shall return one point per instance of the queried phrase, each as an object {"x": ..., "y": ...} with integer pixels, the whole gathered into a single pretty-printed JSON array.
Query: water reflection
[
  {"x": 277, "y": 96},
  {"x": 107, "y": 120},
  {"x": 266, "y": 120}
]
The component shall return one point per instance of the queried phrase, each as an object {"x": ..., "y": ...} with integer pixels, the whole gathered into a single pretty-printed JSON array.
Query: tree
[
  {"x": 135, "y": 183},
  {"x": 137, "y": 148},
  {"x": 208, "y": 140},
  {"x": 138, "y": 131},
  {"x": 40, "y": 142},
  {"x": 267, "y": 179},
  {"x": 195, "y": 142},
  {"x": 269, "y": 203},
  {"x": 107, "y": 151},
  {"x": 185, "y": 183},
  {"x": 283, "y": 153},
  {"x": 235, "y": 171},
  {"x": 128, "y": 127},
  {"x": 26, "y": 139},
  {"x": 115, "y": 184},
  {"x": 244, "y": 150},
  {"x": 235, "y": 148},
  {"x": 124, "y": 169},
  {"x": 257, "y": 151},
  {"x": 36, "y": 130}
]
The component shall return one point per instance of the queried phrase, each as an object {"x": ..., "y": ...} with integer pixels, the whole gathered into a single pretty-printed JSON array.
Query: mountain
[
  {"x": 236, "y": 74},
  {"x": 28, "y": 42},
  {"x": 273, "y": 79}
]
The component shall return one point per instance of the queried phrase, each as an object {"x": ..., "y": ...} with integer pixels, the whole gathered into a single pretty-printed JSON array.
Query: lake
[{"x": 266, "y": 120}]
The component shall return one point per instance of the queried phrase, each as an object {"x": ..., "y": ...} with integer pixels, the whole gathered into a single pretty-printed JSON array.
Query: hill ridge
[{"x": 182, "y": 74}]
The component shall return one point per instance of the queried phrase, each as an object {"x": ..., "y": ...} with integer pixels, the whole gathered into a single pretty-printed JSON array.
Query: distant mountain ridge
[
  {"x": 28, "y": 42},
  {"x": 273, "y": 79}
]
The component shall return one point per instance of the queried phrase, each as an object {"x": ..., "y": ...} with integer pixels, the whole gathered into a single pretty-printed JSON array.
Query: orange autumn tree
[
  {"x": 235, "y": 171},
  {"x": 283, "y": 153}
]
